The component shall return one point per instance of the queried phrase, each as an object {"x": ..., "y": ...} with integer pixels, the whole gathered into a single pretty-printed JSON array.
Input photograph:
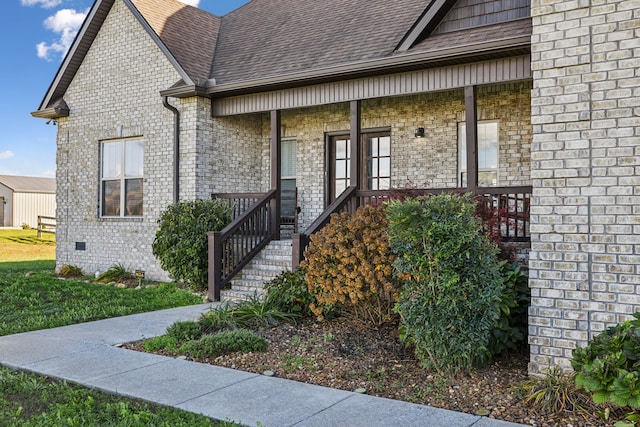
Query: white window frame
[
  {"x": 462, "y": 153},
  {"x": 121, "y": 177}
]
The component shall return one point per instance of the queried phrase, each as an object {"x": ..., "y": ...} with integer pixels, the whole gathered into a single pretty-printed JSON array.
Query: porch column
[
  {"x": 471, "y": 123},
  {"x": 276, "y": 161},
  {"x": 354, "y": 135}
]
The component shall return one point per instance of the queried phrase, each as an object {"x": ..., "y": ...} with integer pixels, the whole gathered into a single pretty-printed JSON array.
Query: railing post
[
  {"x": 214, "y": 265},
  {"x": 39, "y": 226},
  {"x": 298, "y": 244}
]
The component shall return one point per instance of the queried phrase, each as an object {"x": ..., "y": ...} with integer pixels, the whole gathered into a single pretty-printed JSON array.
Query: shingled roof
[
  {"x": 267, "y": 37},
  {"x": 189, "y": 33},
  {"x": 267, "y": 43}
]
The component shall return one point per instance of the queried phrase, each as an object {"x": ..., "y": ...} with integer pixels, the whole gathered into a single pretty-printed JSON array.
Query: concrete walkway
[{"x": 87, "y": 354}]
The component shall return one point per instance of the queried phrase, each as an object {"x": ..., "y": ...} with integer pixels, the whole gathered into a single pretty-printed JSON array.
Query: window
[
  {"x": 487, "y": 154},
  {"x": 375, "y": 162},
  {"x": 121, "y": 178},
  {"x": 288, "y": 165}
]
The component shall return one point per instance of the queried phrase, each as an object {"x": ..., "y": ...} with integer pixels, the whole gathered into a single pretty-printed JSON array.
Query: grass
[
  {"x": 32, "y": 298},
  {"x": 31, "y": 400},
  {"x": 21, "y": 245}
]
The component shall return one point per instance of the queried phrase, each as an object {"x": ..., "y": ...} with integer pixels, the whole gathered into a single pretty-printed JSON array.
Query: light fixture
[{"x": 419, "y": 133}]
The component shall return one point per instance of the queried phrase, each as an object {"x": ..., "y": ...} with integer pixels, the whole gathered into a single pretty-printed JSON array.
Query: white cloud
[
  {"x": 66, "y": 23},
  {"x": 43, "y": 3},
  {"x": 193, "y": 3},
  {"x": 4, "y": 155},
  {"x": 49, "y": 173}
]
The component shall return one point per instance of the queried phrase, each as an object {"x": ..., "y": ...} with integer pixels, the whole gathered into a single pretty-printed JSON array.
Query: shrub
[
  {"x": 184, "y": 331},
  {"x": 115, "y": 273},
  {"x": 511, "y": 328},
  {"x": 181, "y": 242},
  {"x": 555, "y": 392},
  {"x": 289, "y": 293},
  {"x": 257, "y": 311},
  {"x": 349, "y": 267},
  {"x": 218, "y": 318},
  {"x": 609, "y": 366},
  {"x": 450, "y": 301},
  {"x": 70, "y": 271},
  {"x": 161, "y": 343},
  {"x": 223, "y": 343}
]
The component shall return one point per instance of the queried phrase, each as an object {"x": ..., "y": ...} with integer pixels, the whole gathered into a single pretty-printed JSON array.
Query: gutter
[
  {"x": 395, "y": 63},
  {"x": 176, "y": 148}
]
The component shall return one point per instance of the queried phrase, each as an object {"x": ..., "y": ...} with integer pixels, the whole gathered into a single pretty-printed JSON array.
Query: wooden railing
[
  {"x": 508, "y": 207},
  {"x": 46, "y": 224},
  {"x": 238, "y": 202},
  {"x": 231, "y": 249}
]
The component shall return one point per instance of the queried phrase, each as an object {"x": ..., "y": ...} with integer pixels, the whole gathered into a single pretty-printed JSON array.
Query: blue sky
[{"x": 35, "y": 35}]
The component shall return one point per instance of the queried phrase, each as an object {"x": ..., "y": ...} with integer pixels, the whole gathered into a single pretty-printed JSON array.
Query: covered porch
[{"x": 339, "y": 156}]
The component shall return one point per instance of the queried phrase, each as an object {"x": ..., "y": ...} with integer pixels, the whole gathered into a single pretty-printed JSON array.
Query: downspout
[{"x": 176, "y": 147}]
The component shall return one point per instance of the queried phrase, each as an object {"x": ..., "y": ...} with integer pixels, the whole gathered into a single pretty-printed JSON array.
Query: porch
[{"x": 345, "y": 169}]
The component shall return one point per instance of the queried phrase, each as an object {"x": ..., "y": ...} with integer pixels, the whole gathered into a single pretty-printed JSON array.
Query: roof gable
[
  {"x": 444, "y": 16},
  {"x": 174, "y": 26}
]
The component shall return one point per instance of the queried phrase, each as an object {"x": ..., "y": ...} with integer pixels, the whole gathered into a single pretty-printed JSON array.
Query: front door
[{"x": 375, "y": 162}]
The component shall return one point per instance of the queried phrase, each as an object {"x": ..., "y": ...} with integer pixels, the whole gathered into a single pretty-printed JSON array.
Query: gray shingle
[{"x": 272, "y": 37}]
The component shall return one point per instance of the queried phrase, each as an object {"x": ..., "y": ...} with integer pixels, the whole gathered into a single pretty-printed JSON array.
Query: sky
[{"x": 35, "y": 35}]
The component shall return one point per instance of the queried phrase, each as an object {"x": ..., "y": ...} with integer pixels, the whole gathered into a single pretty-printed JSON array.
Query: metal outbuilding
[{"x": 23, "y": 198}]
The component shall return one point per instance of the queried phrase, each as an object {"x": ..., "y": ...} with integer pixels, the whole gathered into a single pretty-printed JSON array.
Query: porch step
[{"x": 274, "y": 259}]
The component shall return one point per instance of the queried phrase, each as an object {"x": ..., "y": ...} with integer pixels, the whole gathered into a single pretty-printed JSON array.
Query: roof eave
[
  {"x": 186, "y": 91},
  {"x": 387, "y": 65},
  {"x": 51, "y": 113}
]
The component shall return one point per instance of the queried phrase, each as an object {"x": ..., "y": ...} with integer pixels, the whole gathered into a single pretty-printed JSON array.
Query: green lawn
[
  {"x": 24, "y": 245},
  {"x": 32, "y": 298}
]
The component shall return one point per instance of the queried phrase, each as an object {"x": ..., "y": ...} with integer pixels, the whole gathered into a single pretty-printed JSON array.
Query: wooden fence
[{"x": 46, "y": 224}]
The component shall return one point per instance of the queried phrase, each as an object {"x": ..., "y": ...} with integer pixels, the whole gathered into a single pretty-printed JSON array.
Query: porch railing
[
  {"x": 508, "y": 208},
  {"x": 254, "y": 225}
]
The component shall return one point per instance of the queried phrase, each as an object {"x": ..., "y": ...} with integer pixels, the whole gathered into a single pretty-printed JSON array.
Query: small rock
[{"x": 120, "y": 285}]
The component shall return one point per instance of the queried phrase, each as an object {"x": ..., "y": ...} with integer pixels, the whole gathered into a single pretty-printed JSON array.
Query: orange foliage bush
[{"x": 349, "y": 267}]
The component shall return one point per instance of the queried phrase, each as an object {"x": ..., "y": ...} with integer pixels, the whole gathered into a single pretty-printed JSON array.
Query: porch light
[{"x": 419, "y": 133}]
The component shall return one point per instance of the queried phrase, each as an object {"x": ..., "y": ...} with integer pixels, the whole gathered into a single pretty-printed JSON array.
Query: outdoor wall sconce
[{"x": 419, "y": 133}]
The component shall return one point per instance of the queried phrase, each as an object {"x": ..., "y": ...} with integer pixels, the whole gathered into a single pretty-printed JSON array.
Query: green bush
[
  {"x": 260, "y": 311},
  {"x": 349, "y": 267},
  {"x": 184, "y": 331},
  {"x": 181, "y": 242},
  {"x": 224, "y": 342},
  {"x": 218, "y": 318},
  {"x": 609, "y": 366},
  {"x": 450, "y": 301},
  {"x": 161, "y": 343},
  {"x": 289, "y": 293},
  {"x": 511, "y": 328}
]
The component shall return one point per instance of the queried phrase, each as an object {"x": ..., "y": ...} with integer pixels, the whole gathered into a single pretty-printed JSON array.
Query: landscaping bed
[{"x": 347, "y": 355}]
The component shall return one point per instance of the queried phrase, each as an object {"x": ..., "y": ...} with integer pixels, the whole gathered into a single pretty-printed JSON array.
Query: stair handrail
[
  {"x": 232, "y": 248},
  {"x": 346, "y": 201}
]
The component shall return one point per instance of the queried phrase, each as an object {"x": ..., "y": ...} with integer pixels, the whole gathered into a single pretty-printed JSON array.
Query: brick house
[{"x": 529, "y": 105}]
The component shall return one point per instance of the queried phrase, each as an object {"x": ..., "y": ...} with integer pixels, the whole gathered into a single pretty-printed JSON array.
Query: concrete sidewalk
[{"x": 87, "y": 354}]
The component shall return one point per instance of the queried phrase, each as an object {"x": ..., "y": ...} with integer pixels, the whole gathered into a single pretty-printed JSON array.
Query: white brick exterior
[
  {"x": 585, "y": 211},
  {"x": 116, "y": 93}
]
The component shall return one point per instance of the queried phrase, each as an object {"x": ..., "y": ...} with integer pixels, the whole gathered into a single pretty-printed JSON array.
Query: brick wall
[
  {"x": 585, "y": 224},
  {"x": 116, "y": 93}
]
